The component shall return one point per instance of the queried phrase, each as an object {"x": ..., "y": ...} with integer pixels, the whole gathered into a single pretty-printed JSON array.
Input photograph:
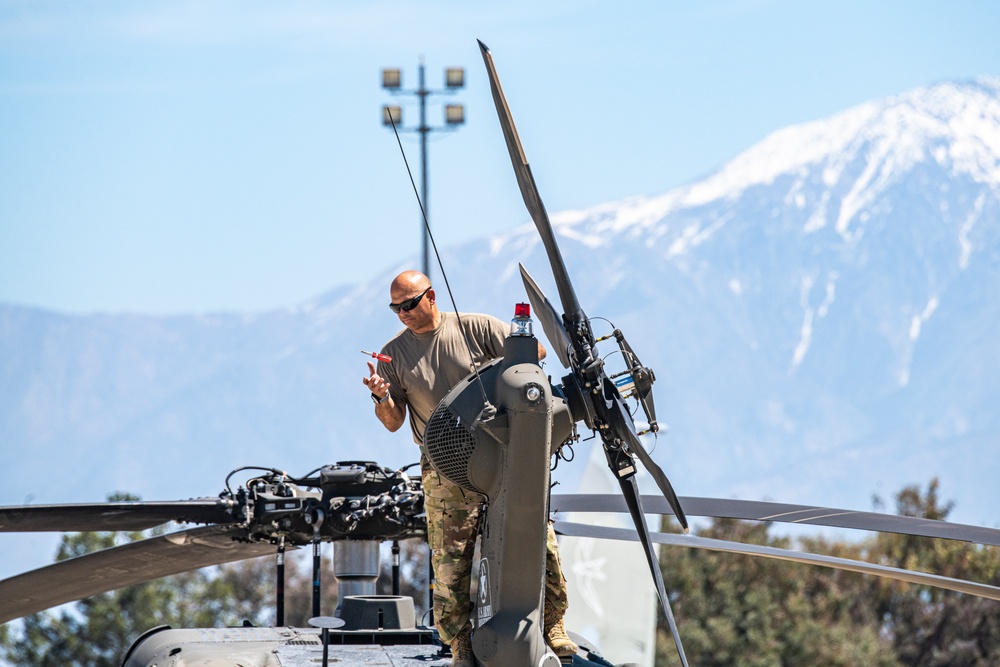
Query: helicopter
[{"x": 494, "y": 433}]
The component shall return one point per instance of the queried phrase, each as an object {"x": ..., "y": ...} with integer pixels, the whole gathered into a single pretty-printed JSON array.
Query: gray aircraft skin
[
  {"x": 494, "y": 433},
  {"x": 272, "y": 647}
]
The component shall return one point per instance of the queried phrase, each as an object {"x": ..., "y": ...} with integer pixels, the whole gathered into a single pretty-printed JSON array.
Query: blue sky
[{"x": 170, "y": 157}]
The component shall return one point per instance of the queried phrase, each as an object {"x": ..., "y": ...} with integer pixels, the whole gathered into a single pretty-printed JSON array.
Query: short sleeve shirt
[{"x": 426, "y": 366}]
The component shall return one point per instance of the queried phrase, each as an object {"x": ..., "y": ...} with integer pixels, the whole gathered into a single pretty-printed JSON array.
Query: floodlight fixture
[
  {"x": 391, "y": 114},
  {"x": 454, "y": 77},
  {"x": 454, "y": 114},
  {"x": 392, "y": 77}
]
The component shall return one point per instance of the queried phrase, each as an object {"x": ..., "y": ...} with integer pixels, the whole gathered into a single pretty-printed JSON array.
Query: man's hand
[
  {"x": 376, "y": 383},
  {"x": 391, "y": 414}
]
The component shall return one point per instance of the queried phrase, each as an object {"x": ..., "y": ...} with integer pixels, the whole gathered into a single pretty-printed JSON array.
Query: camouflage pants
[{"x": 452, "y": 529}]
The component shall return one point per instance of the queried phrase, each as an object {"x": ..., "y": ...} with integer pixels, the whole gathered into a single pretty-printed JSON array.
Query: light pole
[{"x": 454, "y": 115}]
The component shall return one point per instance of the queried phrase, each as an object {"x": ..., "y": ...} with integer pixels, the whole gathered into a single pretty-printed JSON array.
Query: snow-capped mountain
[{"x": 820, "y": 314}]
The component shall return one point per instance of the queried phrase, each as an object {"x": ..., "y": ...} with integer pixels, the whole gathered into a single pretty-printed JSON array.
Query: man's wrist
[{"x": 379, "y": 401}]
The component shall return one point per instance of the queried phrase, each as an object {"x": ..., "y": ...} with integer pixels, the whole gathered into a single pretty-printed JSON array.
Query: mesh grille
[{"x": 449, "y": 446}]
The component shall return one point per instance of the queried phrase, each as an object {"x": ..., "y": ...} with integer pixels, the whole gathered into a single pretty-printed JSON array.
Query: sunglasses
[{"x": 409, "y": 304}]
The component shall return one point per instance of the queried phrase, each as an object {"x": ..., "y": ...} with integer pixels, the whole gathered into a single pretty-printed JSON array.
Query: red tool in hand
[{"x": 377, "y": 355}]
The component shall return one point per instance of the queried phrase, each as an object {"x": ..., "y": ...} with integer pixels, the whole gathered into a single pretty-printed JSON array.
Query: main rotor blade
[
  {"x": 756, "y": 510},
  {"x": 630, "y": 493},
  {"x": 121, "y": 566},
  {"x": 115, "y": 516},
  {"x": 960, "y": 585},
  {"x": 546, "y": 313},
  {"x": 529, "y": 192},
  {"x": 624, "y": 428}
]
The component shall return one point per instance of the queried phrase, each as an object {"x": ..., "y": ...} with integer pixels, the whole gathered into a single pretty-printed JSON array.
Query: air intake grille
[{"x": 449, "y": 446}]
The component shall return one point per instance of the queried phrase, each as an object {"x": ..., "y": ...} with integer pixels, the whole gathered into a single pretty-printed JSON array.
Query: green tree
[
  {"x": 932, "y": 627},
  {"x": 97, "y": 631},
  {"x": 757, "y": 612},
  {"x": 741, "y": 610}
]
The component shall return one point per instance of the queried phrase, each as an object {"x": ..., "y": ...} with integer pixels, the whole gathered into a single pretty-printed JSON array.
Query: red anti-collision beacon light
[{"x": 521, "y": 324}]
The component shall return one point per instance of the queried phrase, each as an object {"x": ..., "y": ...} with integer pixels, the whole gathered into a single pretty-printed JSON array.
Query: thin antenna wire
[{"x": 437, "y": 255}]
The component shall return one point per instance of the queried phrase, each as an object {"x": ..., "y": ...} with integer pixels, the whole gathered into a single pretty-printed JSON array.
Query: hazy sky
[{"x": 165, "y": 157}]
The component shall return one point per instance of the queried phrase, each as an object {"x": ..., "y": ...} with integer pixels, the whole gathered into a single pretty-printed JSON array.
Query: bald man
[{"x": 429, "y": 357}]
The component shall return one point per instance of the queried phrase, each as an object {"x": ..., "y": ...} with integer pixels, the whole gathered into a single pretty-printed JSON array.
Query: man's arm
[{"x": 389, "y": 412}]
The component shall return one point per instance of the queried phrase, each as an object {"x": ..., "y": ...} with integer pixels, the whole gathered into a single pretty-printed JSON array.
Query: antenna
[{"x": 488, "y": 409}]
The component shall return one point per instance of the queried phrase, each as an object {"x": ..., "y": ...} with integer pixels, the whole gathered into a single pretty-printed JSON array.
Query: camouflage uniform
[
  {"x": 452, "y": 540},
  {"x": 423, "y": 369},
  {"x": 556, "y": 599}
]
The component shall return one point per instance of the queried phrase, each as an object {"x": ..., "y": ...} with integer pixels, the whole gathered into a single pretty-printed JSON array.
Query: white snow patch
[
  {"x": 521, "y": 238},
  {"x": 791, "y": 149},
  {"x": 965, "y": 246},
  {"x": 895, "y": 133},
  {"x": 694, "y": 235},
  {"x": 956, "y": 124},
  {"x": 805, "y": 331},
  {"x": 917, "y": 323},
  {"x": 805, "y": 338},
  {"x": 614, "y": 217},
  {"x": 831, "y": 175},
  {"x": 831, "y": 294},
  {"x": 810, "y": 314},
  {"x": 916, "y": 326},
  {"x": 817, "y": 220},
  {"x": 878, "y": 172}
]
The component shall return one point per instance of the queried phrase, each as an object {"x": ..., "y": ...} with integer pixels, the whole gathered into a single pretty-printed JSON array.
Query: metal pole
[
  {"x": 280, "y": 613},
  {"x": 395, "y": 567},
  {"x": 430, "y": 587},
  {"x": 316, "y": 582},
  {"x": 422, "y": 93},
  {"x": 392, "y": 81},
  {"x": 317, "y": 522}
]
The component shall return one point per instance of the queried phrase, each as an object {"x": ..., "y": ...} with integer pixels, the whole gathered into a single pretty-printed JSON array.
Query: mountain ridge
[{"x": 818, "y": 335}]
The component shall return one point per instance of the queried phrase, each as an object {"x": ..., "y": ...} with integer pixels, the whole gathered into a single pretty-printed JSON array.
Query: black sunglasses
[{"x": 409, "y": 304}]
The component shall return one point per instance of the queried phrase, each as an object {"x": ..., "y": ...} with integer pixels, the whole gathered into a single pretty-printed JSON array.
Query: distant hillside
[{"x": 821, "y": 314}]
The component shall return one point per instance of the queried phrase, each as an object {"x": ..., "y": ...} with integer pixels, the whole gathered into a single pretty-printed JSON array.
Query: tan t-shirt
[{"x": 426, "y": 366}]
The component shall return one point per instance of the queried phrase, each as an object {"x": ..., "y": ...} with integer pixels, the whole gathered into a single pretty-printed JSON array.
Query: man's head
[{"x": 412, "y": 289}]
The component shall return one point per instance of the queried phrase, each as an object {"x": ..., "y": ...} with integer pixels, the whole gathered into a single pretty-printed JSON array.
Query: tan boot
[
  {"x": 461, "y": 650},
  {"x": 560, "y": 642}
]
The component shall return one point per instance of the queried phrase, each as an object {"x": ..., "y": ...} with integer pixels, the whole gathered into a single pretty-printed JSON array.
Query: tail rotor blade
[
  {"x": 546, "y": 313},
  {"x": 634, "y": 501},
  {"x": 661, "y": 481},
  {"x": 624, "y": 428},
  {"x": 575, "y": 330},
  {"x": 529, "y": 191}
]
